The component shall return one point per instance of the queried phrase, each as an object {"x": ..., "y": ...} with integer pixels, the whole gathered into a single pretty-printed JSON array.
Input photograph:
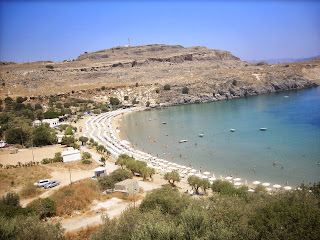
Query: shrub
[
  {"x": 185, "y": 90},
  {"x": 166, "y": 87},
  {"x": 234, "y": 82},
  {"x": 49, "y": 66},
  {"x": 46, "y": 161},
  {"x": 86, "y": 155},
  {"x": 29, "y": 227},
  {"x": 43, "y": 207},
  {"x": 107, "y": 182},
  {"x": 29, "y": 190},
  {"x": 157, "y": 90},
  {"x": 86, "y": 161},
  {"x": 103, "y": 88},
  {"x": 57, "y": 157},
  {"x": 11, "y": 199}
]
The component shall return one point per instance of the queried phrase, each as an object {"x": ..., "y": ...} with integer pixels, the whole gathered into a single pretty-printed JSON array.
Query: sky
[{"x": 252, "y": 30}]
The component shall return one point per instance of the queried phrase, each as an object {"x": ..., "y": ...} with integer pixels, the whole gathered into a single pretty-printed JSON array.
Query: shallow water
[{"x": 292, "y": 138}]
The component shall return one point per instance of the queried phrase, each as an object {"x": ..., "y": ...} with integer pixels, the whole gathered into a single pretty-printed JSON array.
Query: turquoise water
[{"x": 292, "y": 138}]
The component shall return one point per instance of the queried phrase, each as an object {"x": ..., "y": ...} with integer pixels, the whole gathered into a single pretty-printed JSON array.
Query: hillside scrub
[{"x": 167, "y": 214}]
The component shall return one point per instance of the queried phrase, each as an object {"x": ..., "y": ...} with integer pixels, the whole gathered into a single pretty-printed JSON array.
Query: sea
[{"x": 288, "y": 152}]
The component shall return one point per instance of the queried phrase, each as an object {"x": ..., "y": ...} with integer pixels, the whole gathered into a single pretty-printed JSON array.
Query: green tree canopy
[
  {"x": 172, "y": 177},
  {"x": 44, "y": 135}
]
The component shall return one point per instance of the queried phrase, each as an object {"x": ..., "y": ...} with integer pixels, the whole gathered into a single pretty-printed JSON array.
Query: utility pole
[
  {"x": 70, "y": 175},
  {"x": 129, "y": 42}
]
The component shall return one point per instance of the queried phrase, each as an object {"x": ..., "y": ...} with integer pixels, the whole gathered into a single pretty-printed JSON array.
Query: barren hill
[{"x": 139, "y": 71}]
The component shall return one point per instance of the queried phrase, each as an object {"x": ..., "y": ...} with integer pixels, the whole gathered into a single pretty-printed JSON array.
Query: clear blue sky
[{"x": 58, "y": 30}]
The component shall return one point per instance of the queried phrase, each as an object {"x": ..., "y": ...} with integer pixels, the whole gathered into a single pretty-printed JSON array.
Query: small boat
[
  {"x": 164, "y": 123},
  {"x": 263, "y": 129},
  {"x": 200, "y": 135},
  {"x": 152, "y": 140},
  {"x": 286, "y": 96},
  {"x": 232, "y": 129},
  {"x": 183, "y": 141}
]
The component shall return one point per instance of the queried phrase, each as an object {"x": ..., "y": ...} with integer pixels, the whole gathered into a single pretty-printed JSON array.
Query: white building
[
  {"x": 127, "y": 186},
  {"x": 100, "y": 171},
  {"x": 71, "y": 155},
  {"x": 52, "y": 122}
]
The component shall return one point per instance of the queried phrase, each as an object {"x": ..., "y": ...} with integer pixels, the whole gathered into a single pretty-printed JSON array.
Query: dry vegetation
[
  {"x": 15, "y": 178},
  {"x": 82, "y": 234}
]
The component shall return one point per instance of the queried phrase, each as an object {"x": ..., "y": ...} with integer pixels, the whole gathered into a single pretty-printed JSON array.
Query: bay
[{"x": 292, "y": 139}]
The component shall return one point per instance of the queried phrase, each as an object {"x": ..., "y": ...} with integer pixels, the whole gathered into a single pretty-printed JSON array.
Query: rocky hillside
[{"x": 141, "y": 72}]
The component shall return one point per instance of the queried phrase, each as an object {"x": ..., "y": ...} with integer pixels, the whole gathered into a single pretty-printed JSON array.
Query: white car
[{"x": 41, "y": 183}]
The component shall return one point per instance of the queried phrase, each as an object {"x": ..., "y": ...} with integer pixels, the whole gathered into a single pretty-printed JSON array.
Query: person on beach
[
  {"x": 200, "y": 170},
  {"x": 287, "y": 183},
  {"x": 274, "y": 163},
  {"x": 254, "y": 169}
]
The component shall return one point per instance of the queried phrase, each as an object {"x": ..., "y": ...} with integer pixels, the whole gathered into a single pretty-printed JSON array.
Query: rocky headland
[{"x": 140, "y": 73}]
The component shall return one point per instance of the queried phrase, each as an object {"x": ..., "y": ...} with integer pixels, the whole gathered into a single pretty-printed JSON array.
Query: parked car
[
  {"x": 41, "y": 183},
  {"x": 52, "y": 184}
]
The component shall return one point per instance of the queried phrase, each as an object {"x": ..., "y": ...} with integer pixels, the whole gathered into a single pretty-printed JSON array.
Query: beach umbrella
[
  {"x": 228, "y": 178},
  {"x": 212, "y": 179},
  {"x": 266, "y": 184},
  {"x": 193, "y": 170},
  {"x": 237, "y": 184},
  {"x": 269, "y": 189},
  {"x": 206, "y": 173},
  {"x": 184, "y": 172},
  {"x": 237, "y": 179},
  {"x": 168, "y": 171},
  {"x": 205, "y": 177},
  {"x": 198, "y": 175},
  {"x": 287, "y": 188},
  {"x": 277, "y": 186},
  {"x": 190, "y": 174},
  {"x": 174, "y": 164},
  {"x": 256, "y": 182},
  {"x": 181, "y": 175},
  {"x": 183, "y": 167},
  {"x": 188, "y": 168},
  {"x": 251, "y": 190}
]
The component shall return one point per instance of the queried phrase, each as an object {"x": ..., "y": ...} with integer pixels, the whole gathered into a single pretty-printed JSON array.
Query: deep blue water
[{"x": 292, "y": 138}]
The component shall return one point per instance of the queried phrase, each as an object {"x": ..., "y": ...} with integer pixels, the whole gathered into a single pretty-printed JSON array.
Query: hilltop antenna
[{"x": 129, "y": 42}]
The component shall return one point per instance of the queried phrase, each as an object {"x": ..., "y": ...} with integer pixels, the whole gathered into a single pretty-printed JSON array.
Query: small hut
[
  {"x": 127, "y": 186},
  {"x": 100, "y": 171}
]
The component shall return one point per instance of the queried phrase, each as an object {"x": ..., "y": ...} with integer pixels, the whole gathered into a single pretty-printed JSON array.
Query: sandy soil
[{"x": 35, "y": 154}]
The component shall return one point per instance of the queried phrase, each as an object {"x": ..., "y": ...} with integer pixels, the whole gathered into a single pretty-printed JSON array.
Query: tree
[
  {"x": 43, "y": 207},
  {"x": 20, "y": 99},
  {"x": 166, "y": 87},
  {"x": 38, "y": 106},
  {"x": 294, "y": 216},
  {"x": 11, "y": 199},
  {"x": 167, "y": 199},
  {"x": 67, "y": 140},
  {"x": 16, "y": 135},
  {"x": 205, "y": 184},
  {"x": 83, "y": 140},
  {"x": 114, "y": 101},
  {"x": 29, "y": 227},
  {"x": 172, "y": 177},
  {"x": 39, "y": 114},
  {"x": 185, "y": 90},
  {"x": 195, "y": 182},
  {"x": 101, "y": 149},
  {"x": 50, "y": 114}
]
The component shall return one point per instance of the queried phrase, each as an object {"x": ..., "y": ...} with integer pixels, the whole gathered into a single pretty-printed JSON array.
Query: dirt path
[{"x": 89, "y": 219}]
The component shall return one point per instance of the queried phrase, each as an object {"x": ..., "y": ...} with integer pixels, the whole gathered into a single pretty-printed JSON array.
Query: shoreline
[{"x": 153, "y": 162}]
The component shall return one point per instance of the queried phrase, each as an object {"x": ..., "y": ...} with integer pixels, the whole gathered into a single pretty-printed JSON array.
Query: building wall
[{"x": 72, "y": 157}]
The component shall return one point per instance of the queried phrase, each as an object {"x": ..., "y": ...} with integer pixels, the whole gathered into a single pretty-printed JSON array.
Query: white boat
[
  {"x": 183, "y": 141},
  {"x": 232, "y": 129},
  {"x": 164, "y": 123},
  {"x": 200, "y": 135},
  {"x": 263, "y": 129}
]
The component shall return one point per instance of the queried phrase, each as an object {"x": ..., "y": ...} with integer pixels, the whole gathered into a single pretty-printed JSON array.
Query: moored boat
[
  {"x": 263, "y": 129},
  {"x": 183, "y": 141}
]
